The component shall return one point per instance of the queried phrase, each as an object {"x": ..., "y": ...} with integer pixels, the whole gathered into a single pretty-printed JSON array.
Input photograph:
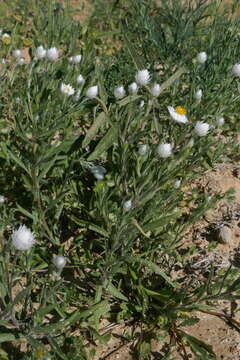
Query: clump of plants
[{"x": 93, "y": 201}]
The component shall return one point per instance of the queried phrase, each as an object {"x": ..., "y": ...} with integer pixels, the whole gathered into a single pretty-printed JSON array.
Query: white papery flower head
[
  {"x": 67, "y": 89},
  {"x": 236, "y": 69},
  {"x": 156, "y": 90},
  {"x": 98, "y": 171},
  {"x": 142, "y": 149},
  {"x": 177, "y": 184},
  {"x": 201, "y": 128},
  {"x": 52, "y": 53},
  {"x": 119, "y": 92},
  {"x": 2, "y": 199},
  {"x": 21, "y": 61},
  {"x": 92, "y": 92},
  {"x": 80, "y": 79},
  {"x": 133, "y": 88},
  {"x": 142, "y": 77},
  {"x": 17, "y": 53},
  {"x": 127, "y": 205},
  {"x": 41, "y": 52},
  {"x": 3, "y": 61},
  {"x": 178, "y": 114},
  {"x": 59, "y": 261},
  {"x": 220, "y": 121},
  {"x": 23, "y": 238},
  {"x": 142, "y": 103},
  {"x": 201, "y": 57},
  {"x": 198, "y": 94},
  {"x": 164, "y": 150}
]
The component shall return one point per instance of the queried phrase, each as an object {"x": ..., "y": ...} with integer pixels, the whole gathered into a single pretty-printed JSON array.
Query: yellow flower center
[{"x": 180, "y": 110}]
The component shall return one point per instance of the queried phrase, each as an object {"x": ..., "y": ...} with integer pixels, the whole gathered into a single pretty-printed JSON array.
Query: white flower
[
  {"x": 41, "y": 52},
  {"x": 164, "y": 150},
  {"x": 59, "y": 261},
  {"x": 80, "y": 79},
  {"x": 178, "y": 114},
  {"x": 141, "y": 104},
  {"x": 17, "y": 53},
  {"x": 220, "y": 121},
  {"x": 98, "y": 172},
  {"x": 21, "y": 61},
  {"x": 119, "y": 92},
  {"x": 18, "y": 100},
  {"x": 67, "y": 89},
  {"x": 133, "y": 88},
  {"x": 142, "y": 77},
  {"x": 92, "y": 92},
  {"x": 2, "y": 199},
  {"x": 236, "y": 69},
  {"x": 127, "y": 205},
  {"x": 77, "y": 59},
  {"x": 201, "y": 128},
  {"x": 3, "y": 61},
  {"x": 23, "y": 238},
  {"x": 142, "y": 149},
  {"x": 177, "y": 184},
  {"x": 155, "y": 90},
  {"x": 52, "y": 53},
  {"x": 198, "y": 95},
  {"x": 201, "y": 57}
]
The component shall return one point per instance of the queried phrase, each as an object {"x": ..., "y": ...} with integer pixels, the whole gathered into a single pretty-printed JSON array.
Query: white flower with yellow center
[
  {"x": 23, "y": 238},
  {"x": 67, "y": 89},
  {"x": 178, "y": 114}
]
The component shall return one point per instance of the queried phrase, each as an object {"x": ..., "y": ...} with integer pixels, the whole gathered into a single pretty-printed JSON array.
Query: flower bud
[
  {"x": 52, "y": 53},
  {"x": 133, "y": 88},
  {"x": 119, "y": 92},
  {"x": 164, "y": 150},
  {"x": 201, "y": 128},
  {"x": 142, "y": 77},
  {"x": 17, "y": 53},
  {"x": 156, "y": 90},
  {"x": 198, "y": 95},
  {"x": 59, "y": 261},
  {"x": 236, "y": 69},
  {"x": 127, "y": 205},
  {"x": 40, "y": 52},
  {"x": 92, "y": 92},
  {"x": 220, "y": 121},
  {"x": 201, "y": 57},
  {"x": 2, "y": 199},
  {"x": 80, "y": 79},
  {"x": 142, "y": 149}
]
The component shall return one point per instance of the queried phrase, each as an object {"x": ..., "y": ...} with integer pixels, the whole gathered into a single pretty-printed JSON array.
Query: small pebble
[{"x": 224, "y": 235}]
